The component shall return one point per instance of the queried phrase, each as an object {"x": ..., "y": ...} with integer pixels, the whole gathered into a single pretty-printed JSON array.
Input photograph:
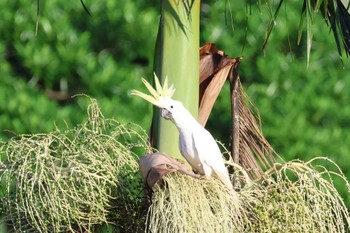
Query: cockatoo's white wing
[{"x": 210, "y": 155}]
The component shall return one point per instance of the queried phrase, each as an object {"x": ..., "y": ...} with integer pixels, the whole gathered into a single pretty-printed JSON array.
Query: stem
[{"x": 177, "y": 57}]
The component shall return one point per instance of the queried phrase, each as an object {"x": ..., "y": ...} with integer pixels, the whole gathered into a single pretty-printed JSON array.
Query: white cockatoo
[{"x": 196, "y": 144}]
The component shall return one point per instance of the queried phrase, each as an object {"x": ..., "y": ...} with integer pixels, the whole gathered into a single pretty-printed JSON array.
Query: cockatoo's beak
[
  {"x": 159, "y": 95},
  {"x": 166, "y": 114}
]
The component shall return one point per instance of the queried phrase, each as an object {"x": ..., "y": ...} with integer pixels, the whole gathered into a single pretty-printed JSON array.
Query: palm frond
[
  {"x": 85, "y": 8},
  {"x": 336, "y": 14},
  {"x": 343, "y": 16},
  {"x": 249, "y": 147},
  {"x": 37, "y": 16},
  {"x": 272, "y": 23}
]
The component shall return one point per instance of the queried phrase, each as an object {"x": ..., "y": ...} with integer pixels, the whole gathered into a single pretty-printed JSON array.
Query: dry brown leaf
[
  {"x": 214, "y": 69},
  {"x": 249, "y": 148},
  {"x": 154, "y": 166}
]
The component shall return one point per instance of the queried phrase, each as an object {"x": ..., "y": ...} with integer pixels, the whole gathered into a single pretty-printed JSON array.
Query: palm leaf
[
  {"x": 272, "y": 21},
  {"x": 85, "y": 8},
  {"x": 343, "y": 9},
  {"x": 336, "y": 14},
  {"x": 249, "y": 148}
]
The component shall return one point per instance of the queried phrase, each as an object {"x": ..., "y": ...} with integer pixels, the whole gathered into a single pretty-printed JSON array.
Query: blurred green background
[{"x": 305, "y": 111}]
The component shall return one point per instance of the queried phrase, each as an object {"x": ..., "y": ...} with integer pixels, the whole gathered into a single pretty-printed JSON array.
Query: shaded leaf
[
  {"x": 344, "y": 24},
  {"x": 85, "y": 8},
  {"x": 336, "y": 14},
  {"x": 272, "y": 22},
  {"x": 37, "y": 16}
]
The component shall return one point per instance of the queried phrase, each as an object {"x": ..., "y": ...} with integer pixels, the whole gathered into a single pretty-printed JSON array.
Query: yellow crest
[{"x": 159, "y": 95}]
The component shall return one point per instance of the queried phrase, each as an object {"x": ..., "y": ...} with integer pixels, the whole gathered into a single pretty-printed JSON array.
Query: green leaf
[{"x": 85, "y": 8}]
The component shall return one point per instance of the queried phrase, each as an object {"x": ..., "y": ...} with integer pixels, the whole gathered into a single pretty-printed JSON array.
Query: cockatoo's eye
[{"x": 171, "y": 106}]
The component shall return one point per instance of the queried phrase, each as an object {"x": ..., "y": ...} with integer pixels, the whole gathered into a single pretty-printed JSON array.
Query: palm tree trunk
[{"x": 177, "y": 57}]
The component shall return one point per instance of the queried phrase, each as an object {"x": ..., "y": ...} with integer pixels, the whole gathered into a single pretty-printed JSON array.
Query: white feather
[{"x": 197, "y": 145}]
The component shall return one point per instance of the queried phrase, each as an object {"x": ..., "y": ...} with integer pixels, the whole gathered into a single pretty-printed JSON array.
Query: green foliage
[{"x": 72, "y": 53}]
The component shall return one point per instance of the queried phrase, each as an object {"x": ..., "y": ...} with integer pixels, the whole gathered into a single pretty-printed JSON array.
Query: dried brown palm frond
[{"x": 249, "y": 147}]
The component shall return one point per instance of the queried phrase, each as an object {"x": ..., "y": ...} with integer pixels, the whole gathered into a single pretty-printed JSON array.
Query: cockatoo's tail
[{"x": 159, "y": 95}]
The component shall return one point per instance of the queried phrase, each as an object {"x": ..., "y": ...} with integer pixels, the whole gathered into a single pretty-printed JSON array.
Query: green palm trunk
[{"x": 177, "y": 57}]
